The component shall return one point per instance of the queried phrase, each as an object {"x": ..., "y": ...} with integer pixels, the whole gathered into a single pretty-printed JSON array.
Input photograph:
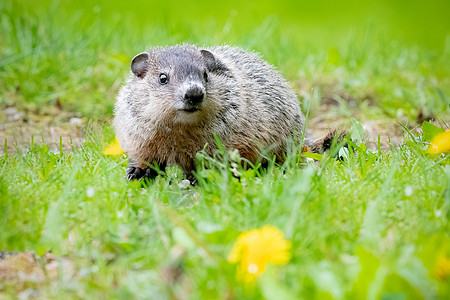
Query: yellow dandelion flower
[
  {"x": 440, "y": 143},
  {"x": 113, "y": 148},
  {"x": 442, "y": 267},
  {"x": 256, "y": 248}
]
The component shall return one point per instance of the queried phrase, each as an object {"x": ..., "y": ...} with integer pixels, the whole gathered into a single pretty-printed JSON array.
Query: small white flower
[
  {"x": 90, "y": 192},
  {"x": 408, "y": 190}
]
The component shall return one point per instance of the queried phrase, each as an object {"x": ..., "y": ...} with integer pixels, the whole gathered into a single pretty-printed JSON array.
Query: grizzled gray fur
[{"x": 178, "y": 97}]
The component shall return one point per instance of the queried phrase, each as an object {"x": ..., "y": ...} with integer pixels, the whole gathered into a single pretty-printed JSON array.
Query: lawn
[{"x": 374, "y": 224}]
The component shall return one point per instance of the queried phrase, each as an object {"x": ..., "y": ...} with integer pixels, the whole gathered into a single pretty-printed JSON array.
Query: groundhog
[{"x": 177, "y": 98}]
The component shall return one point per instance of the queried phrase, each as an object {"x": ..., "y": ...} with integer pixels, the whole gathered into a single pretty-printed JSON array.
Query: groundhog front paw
[
  {"x": 135, "y": 173},
  {"x": 192, "y": 179}
]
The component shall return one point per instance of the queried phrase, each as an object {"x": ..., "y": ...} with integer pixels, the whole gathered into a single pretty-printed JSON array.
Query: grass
[
  {"x": 371, "y": 226},
  {"x": 79, "y": 52},
  {"x": 374, "y": 225}
]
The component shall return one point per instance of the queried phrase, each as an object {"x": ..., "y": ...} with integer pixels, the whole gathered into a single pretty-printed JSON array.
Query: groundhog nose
[{"x": 194, "y": 96}]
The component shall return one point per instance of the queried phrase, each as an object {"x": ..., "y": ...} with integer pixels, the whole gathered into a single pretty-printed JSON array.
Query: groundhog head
[{"x": 174, "y": 82}]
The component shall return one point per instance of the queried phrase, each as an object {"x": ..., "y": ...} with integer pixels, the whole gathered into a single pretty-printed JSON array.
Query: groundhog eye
[
  {"x": 205, "y": 75},
  {"x": 163, "y": 78}
]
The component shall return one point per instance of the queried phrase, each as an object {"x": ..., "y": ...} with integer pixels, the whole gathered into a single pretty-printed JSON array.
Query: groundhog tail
[{"x": 324, "y": 143}]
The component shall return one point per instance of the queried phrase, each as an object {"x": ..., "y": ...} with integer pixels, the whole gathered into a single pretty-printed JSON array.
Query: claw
[
  {"x": 192, "y": 179},
  {"x": 135, "y": 173}
]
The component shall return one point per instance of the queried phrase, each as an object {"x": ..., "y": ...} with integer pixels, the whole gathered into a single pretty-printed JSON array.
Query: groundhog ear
[
  {"x": 209, "y": 59},
  {"x": 139, "y": 64}
]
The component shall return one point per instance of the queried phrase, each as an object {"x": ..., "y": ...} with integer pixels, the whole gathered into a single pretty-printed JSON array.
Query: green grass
[{"x": 372, "y": 226}]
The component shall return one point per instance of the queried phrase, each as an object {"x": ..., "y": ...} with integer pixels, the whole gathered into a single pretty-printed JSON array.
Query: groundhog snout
[{"x": 194, "y": 96}]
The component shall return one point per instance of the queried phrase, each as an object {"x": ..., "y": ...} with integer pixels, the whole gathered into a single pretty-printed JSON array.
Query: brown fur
[{"x": 323, "y": 144}]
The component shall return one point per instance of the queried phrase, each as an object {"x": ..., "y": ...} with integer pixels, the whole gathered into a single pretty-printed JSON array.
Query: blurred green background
[
  {"x": 390, "y": 55},
  {"x": 416, "y": 22}
]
